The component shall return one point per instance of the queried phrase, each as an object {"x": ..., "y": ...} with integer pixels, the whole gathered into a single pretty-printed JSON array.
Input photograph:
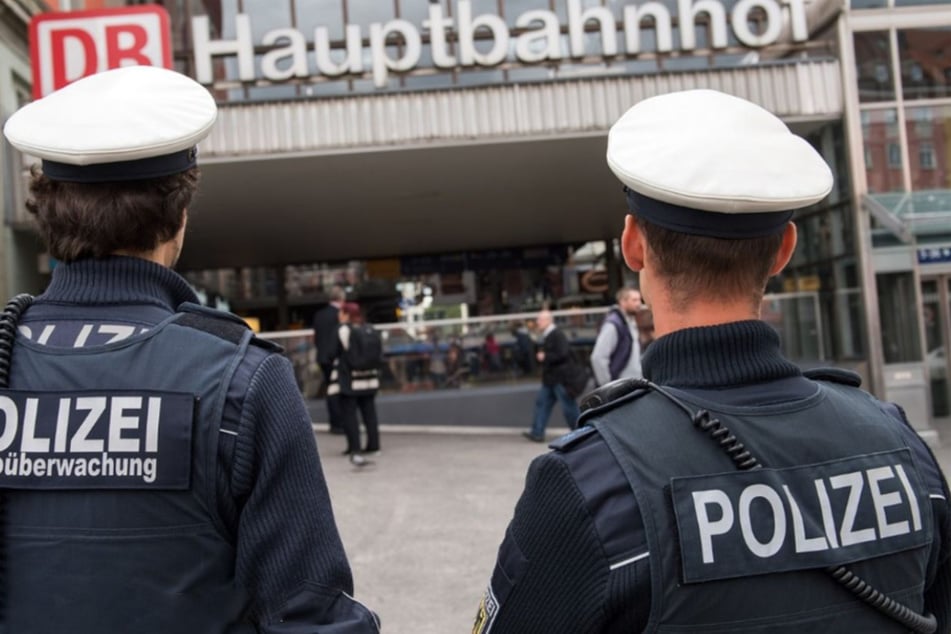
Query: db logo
[{"x": 67, "y": 46}]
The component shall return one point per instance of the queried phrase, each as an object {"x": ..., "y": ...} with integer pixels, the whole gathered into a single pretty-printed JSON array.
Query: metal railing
[{"x": 443, "y": 354}]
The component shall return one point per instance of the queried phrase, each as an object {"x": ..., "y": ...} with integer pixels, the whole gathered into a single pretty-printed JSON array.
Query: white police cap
[
  {"x": 131, "y": 123},
  {"x": 686, "y": 154}
]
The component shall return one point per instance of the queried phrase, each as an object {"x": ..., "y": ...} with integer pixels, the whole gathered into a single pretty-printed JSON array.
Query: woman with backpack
[{"x": 356, "y": 378}]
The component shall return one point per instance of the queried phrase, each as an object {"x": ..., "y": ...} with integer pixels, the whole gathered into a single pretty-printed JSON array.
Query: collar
[
  {"x": 117, "y": 280},
  {"x": 727, "y": 355},
  {"x": 547, "y": 331}
]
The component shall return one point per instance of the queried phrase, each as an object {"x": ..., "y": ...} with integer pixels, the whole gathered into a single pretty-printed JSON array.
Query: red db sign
[{"x": 67, "y": 46}]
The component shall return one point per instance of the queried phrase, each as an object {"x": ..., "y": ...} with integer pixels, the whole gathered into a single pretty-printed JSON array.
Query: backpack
[{"x": 366, "y": 348}]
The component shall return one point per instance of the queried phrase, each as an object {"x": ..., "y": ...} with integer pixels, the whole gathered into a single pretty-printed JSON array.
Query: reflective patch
[
  {"x": 488, "y": 610},
  {"x": 813, "y": 516},
  {"x": 95, "y": 440}
]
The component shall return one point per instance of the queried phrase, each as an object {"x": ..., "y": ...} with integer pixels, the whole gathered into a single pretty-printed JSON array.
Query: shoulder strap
[{"x": 220, "y": 324}]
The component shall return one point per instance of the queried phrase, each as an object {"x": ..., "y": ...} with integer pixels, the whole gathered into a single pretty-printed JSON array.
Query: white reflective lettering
[
  {"x": 828, "y": 521},
  {"x": 119, "y": 422},
  {"x": 763, "y": 492},
  {"x": 883, "y": 500},
  {"x": 912, "y": 498},
  {"x": 803, "y": 544},
  {"x": 30, "y": 443},
  {"x": 83, "y": 336},
  {"x": 11, "y": 422},
  {"x": 152, "y": 424},
  {"x": 119, "y": 332},
  {"x": 708, "y": 528},
  {"x": 80, "y": 442},
  {"x": 847, "y": 535},
  {"x": 62, "y": 425}
]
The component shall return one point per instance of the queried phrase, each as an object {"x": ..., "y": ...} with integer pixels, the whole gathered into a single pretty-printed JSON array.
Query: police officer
[
  {"x": 726, "y": 491},
  {"x": 159, "y": 464}
]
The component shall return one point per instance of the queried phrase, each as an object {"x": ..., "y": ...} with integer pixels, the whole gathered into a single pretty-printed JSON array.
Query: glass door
[{"x": 936, "y": 317}]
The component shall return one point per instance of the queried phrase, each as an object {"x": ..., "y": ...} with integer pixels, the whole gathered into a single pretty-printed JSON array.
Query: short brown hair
[
  {"x": 81, "y": 220},
  {"x": 700, "y": 266}
]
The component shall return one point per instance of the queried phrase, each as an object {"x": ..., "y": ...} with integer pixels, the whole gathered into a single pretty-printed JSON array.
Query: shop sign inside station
[
  {"x": 466, "y": 39},
  {"x": 934, "y": 255}
]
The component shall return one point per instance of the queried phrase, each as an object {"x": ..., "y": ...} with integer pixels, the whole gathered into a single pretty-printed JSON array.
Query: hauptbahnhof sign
[{"x": 536, "y": 37}]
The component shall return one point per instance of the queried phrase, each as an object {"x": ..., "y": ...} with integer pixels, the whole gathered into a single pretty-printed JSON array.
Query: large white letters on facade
[{"x": 538, "y": 39}]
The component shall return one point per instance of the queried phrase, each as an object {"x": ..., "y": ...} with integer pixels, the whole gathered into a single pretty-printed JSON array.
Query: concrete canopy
[{"x": 301, "y": 209}]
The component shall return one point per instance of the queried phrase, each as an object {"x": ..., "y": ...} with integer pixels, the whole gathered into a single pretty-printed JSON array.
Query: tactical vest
[
  {"x": 625, "y": 343},
  {"x": 111, "y": 521},
  {"x": 744, "y": 551}
]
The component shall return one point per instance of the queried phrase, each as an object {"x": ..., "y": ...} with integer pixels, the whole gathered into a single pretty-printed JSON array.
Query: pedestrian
[
  {"x": 617, "y": 349},
  {"x": 327, "y": 343},
  {"x": 167, "y": 478},
  {"x": 558, "y": 368},
  {"x": 356, "y": 383},
  {"x": 727, "y": 491}
]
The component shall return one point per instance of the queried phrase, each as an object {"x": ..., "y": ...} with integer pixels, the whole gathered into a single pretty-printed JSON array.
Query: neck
[{"x": 669, "y": 318}]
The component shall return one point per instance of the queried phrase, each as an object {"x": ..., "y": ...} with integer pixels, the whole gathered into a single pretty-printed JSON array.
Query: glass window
[
  {"x": 925, "y": 56},
  {"x": 908, "y": 3},
  {"x": 874, "y": 67},
  {"x": 314, "y": 13},
  {"x": 926, "y": 156},
  {"x": 366, "y": 13},
  {"x": 929, "y": 142},
  {"x": 883, "y": 162},
  {"x": 869, "y": 4},
  {"x": 415, "y": 11},
  {"x": 894, "y": 156},
  {"x": 267, "y": 15},
  {"x": 899, "y": 317},
  {"x": 514, "y": 8}
]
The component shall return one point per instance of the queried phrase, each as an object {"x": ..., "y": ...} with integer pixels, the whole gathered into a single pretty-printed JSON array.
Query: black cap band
[
  {"x": 120, "y": 171},
  {"x": 711, "y": 224}
]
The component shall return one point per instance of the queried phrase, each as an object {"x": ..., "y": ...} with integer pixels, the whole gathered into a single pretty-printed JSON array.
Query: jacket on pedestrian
[
  {"x": 347, "y": 380},
  {"x": 558, "y": 366}
]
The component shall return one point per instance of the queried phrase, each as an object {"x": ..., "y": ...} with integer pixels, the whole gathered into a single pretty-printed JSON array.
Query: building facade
[{"x": 454, "y": 150}]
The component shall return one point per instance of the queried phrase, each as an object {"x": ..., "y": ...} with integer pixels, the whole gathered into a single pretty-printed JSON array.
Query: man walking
[
  {"x": 558, "y": 367},
  {"x": 617, "y": 350},
  {"x": 327, "y": 342}
]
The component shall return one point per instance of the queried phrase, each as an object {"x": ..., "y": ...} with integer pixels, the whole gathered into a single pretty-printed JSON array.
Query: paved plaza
[{"x": 421, "y": 527}]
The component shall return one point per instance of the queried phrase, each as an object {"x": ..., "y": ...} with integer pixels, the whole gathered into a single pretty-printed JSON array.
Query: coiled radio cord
[
  {"x": 8, "y": 330},
  {"x": 745, "y": 461}
]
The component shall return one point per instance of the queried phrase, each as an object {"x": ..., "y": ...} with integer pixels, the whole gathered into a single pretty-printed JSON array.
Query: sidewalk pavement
[{"x": 422, "y": 526}]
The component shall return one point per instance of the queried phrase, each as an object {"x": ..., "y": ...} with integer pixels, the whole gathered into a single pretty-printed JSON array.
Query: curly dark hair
[
  {"x": 82, "y": 220},
  {"x": 711, "y": 268}
]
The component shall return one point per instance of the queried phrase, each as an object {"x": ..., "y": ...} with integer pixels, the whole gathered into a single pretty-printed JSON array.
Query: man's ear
[
  {"x": 632, "y": 244},
  {"x": 786, "y": 249}
]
